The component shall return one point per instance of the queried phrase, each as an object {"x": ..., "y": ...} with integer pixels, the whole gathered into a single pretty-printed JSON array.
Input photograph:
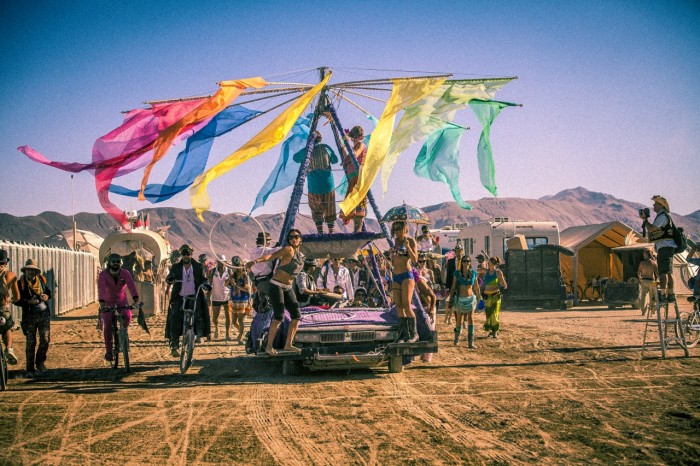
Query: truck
[{"x": 491, "y": 237}]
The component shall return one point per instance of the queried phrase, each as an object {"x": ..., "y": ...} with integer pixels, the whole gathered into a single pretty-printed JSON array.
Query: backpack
[
  {"x": 4, "y": 289},
  {"x": 678, "y": 236}
]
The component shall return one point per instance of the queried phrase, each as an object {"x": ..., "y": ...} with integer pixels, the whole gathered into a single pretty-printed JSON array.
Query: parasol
[{"x": 407, "y": 213}]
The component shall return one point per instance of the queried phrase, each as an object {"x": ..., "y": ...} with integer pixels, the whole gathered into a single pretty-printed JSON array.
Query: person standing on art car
[{"x": 36, "y": 316}]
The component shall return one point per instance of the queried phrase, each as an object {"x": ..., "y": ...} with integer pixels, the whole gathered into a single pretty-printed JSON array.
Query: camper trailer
[
  {"x": 493, "y": 236},
  {"x": 446, "y": 237}
]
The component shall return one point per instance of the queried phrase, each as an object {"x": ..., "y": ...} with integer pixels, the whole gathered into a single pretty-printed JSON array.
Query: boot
[
  {"x": 331, "y": 228},
  {"x": 403, "y": 334},
  {"x": 412, "y": 330},
  {"x": 458, "y": 331},
  {"x": 470, "y": 336}
]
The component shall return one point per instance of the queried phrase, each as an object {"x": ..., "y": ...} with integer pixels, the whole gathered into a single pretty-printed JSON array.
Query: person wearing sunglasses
[
  {"x": 112, "y": 284},
  {"x": 281, "y": 290},
  {"x": 186, "y": 277},
  {"x": 403, "y": 254}
]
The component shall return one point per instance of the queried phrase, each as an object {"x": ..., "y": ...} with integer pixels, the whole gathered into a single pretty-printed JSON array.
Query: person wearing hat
[
  {"x": 36, "y": 316},
  {"x": 321, "y": 186},
  {"x": 660, "y": 233},
  {"x": 241, "y": 289},
  {"x": 305, "y": 286},
  {"x": 112, "y": 284},
  {"x": 9, "y": 293},
  {"x": 219, "y": 277},
  {"x": 186, "y": 277},
  {"x": 450, "y": 268},
  {"x": 262, "y": 272}
]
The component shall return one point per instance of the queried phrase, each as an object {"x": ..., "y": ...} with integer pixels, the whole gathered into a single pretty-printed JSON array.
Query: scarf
[{"x": 35, "y": 286}]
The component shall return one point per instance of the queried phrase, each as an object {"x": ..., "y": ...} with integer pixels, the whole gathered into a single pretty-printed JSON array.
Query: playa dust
[{"x": 556, "y": 387}]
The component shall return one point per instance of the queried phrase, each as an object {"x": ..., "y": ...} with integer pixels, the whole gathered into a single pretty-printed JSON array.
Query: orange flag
[{"x": 222, "y": 98}]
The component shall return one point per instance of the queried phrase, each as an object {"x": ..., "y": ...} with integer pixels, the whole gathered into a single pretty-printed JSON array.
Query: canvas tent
[{"x": 592, "y": 245}]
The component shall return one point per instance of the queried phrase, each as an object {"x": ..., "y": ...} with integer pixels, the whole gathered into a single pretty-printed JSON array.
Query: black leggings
[{"x": 281, "y": 298}]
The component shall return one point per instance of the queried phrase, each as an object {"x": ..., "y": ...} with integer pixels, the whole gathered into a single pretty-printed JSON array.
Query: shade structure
[{"x": 407, "y": 213}]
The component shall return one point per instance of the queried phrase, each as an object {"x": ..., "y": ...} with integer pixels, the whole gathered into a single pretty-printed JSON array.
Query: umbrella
[{"x": 407, "y": 213}]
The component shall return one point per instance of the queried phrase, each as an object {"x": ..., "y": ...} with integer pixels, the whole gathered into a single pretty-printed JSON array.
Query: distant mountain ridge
[{"x": 571, "y": 207}]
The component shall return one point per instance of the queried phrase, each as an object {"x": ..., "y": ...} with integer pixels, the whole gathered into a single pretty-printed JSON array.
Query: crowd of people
[{"x": 279, "y": 278}]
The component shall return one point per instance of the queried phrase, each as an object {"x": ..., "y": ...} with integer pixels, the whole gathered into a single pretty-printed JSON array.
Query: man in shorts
[
  {"x": 9, "y": 293},
  {"x": 660, "y": 233}
]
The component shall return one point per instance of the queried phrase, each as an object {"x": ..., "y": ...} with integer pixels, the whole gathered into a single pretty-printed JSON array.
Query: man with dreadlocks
[{"x": 321, "y": 183}]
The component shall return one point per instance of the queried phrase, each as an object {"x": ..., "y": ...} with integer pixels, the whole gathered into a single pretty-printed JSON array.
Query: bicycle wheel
[
  {"x": 187, "y": 350},
  {"x": 125, "y": 347},
  {"x": 589, "y": 293},
  {"x": 691, "y": 328},
  {"x": 115, "y": 348},
  {"x": 3, "y": 372}
]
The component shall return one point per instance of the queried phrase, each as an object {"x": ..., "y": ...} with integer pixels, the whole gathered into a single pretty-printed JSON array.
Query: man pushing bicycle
[
  {"x": 112, "y": 284},
  {"x": 186, "y": 277}
]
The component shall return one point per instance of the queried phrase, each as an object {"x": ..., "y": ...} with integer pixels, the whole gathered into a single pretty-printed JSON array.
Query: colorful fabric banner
[
  {"x": 270, "y": 136},
  {"x": 432, "y": 113},
  {"x": 486, "y": 112},
  {"x": 438, "y": 160},
  {"x": 404, "y": 93},
  {"x": 124, "y": 149},
  {"x": 192, "y": 161},
  {"x": 285, "y": 172},
  {"x": 222, "y": 98}
]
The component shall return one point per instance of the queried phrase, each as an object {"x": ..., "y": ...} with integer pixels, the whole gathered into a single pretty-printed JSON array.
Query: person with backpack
[
  {"x": 36, "y": 316},
  {"x": 662, "y": 232},
  {"x": 9, "y": 293}
]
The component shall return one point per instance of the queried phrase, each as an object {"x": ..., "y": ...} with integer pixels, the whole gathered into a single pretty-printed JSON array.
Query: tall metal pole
[{"x": 75, "y": 226}]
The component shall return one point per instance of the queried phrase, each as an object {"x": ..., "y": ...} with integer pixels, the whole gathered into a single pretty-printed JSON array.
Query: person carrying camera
[{"x": 660, "y": 233}]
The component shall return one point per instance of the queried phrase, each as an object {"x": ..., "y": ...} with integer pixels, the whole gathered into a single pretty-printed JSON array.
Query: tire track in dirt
[
  {"x": 431, "y": 413},
  {"x": 281, "y": 432}
]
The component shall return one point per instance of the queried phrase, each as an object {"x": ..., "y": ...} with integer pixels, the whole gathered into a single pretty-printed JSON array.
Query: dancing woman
[
  {"x": 494, "y": 282},
  {"x": 403, "y": 282},
  {"x": 466, "y": 291},
  {"x": 281, "y": 290}
]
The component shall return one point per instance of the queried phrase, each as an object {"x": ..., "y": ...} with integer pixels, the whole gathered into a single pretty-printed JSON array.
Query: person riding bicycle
[
  {"x": 112, "y": 284},
  {"x": 186, "y": 277}
]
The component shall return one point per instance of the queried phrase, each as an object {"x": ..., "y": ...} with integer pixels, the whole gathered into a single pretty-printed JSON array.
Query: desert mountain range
[{"x": 571, "y": 207}]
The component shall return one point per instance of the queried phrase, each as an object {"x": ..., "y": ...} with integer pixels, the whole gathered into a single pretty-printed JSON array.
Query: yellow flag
[
  {"x": 404, "y": 93},
  {"x": 431, "y": 113},
  {"x": 270, "y": 136},
  {"x": 222, "y": 98}
]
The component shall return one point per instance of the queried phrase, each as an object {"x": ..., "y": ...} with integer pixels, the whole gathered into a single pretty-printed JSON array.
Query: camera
[{"x": 644, "y": 213}]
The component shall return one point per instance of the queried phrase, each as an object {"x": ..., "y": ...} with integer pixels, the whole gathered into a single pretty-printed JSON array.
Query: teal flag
[
  {"x": 438, "y": 160},
  {"x": 486, "y": 112}
]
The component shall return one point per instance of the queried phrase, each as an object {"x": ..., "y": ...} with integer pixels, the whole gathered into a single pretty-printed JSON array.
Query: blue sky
[{"x": 610, "y": 90}]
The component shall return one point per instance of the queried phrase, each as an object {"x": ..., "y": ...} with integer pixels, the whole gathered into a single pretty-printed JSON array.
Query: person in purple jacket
[{"x": 112, "y": 284}]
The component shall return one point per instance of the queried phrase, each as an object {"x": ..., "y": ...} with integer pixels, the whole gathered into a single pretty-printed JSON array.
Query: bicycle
[
  {"x": 691, "y": 323},
  {"x": 188, "y": 333},
  {"x": 120, "y": 334},
  {"x": 594, "y": 290}
]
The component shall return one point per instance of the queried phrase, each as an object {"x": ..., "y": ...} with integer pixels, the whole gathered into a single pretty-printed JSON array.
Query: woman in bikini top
[{"x": 402, "y": 255}]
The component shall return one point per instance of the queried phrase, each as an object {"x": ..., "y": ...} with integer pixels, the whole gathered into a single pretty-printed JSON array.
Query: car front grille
[{"x": 344, "y": 337}]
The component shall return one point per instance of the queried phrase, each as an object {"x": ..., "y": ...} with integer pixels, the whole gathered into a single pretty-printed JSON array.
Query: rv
[
  {"x": 446, "y": 237},
  {"x": 491, "y": 237}
]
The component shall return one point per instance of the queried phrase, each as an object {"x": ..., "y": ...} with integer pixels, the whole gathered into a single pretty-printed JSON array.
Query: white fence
[{"x": 71, "y": 275}]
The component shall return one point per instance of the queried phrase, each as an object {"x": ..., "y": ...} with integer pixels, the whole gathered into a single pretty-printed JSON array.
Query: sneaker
[
  {"x": 10, "y": 356},
  {"x": 41, "y": 368},
  {"x": 109, "y": 357},
  {"x": 174, "y": 353}
]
